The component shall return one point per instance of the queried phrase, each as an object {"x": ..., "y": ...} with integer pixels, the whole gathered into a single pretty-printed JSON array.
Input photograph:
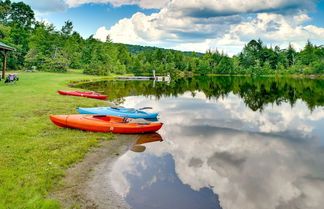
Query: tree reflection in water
[{"x": 255, "y": 92}]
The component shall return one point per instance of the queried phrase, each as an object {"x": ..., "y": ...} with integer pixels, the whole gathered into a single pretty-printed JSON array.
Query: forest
[{"x": 41, "y": 46}]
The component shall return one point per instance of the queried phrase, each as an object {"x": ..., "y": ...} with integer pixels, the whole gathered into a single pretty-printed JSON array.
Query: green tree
[
  {"x": 108, "y": 39},
  {"x": 291, "y": 55},
  {"x": 307, "y": 55},
  {"x": 22, "y": 15},
  {"x": 4, "y": 10},
  {"x": 67, "y": 28},
  {"x": 251, "y": 53},
  {"x": 203, "y": 67},
  {"x": 4, "y": 33},
  {"x": 225, "y": 66}
]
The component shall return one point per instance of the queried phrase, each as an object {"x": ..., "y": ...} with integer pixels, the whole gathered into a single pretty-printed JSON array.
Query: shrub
[{"x": 318, "y": 67}]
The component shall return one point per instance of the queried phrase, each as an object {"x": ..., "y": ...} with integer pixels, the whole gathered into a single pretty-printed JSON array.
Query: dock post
[{"x": 4, "y": 65}]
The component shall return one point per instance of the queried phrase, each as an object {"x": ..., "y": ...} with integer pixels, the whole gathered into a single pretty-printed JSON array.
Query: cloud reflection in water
[{"x": 248, "y": 159}]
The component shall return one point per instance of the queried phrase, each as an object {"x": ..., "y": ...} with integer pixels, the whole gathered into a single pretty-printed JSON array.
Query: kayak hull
[
  {"x": 83, "y": 94},
  {"x": 104, "y": 123},
  {"x": 119, "y": 112}
]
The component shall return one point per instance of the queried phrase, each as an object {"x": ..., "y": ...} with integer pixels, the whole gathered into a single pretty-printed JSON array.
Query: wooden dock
[
  {"x": 143, "y": 78},
  {"x": 135, "y": 78}
]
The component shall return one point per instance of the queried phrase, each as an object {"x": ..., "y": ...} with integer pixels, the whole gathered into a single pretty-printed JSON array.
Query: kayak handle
[{"x": 125, "y": 119}]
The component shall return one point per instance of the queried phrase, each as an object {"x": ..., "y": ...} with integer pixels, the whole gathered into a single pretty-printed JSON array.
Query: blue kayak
[{"x": 120, "y": 112}]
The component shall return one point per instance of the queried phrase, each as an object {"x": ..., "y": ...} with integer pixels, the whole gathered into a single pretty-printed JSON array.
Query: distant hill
[{"x": 135, "y": 49}]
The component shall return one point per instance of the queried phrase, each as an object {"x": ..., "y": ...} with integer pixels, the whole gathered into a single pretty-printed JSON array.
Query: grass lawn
[{"x": 34, "y": 153}]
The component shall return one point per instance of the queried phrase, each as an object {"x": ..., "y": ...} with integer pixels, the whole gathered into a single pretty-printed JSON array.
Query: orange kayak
[{"x": 105, "y": 123}]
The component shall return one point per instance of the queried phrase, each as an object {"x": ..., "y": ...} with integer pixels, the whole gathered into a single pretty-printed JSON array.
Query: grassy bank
[{"x": 33, "y": 152}]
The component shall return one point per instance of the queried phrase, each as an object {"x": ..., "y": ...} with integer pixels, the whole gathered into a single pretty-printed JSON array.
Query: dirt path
[{"x": 87, "y": 184}]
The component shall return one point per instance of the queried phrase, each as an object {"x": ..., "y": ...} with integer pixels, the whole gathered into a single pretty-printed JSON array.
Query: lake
[{"x": 227, "y": 142}]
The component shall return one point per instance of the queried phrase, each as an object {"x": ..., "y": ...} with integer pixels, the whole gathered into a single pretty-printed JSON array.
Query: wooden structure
[
  {"x": 4, "y": 49},
  {"x": 155, "y": 78}
]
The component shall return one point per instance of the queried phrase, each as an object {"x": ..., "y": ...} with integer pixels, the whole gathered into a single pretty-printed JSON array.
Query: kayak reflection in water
[{"x": 143, "y": 139}]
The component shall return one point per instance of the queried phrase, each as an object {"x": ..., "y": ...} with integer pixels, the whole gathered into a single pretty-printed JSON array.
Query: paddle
[
  {"x": 142, "y": 108},
  {"x": 145, "y": 108}
]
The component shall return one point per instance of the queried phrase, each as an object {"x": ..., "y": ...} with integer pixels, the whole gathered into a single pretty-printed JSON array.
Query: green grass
[{"x": 34, "y": 153}]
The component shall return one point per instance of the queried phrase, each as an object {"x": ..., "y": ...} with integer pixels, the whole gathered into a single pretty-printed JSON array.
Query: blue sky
[
  {"x": 195, "y": 25},
  {"x": 88, "y": 18},
  {"x": 318, "y": 15}
]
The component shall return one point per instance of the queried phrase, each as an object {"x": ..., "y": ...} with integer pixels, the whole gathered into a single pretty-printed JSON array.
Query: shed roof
[{"x": 6, "y": 47}]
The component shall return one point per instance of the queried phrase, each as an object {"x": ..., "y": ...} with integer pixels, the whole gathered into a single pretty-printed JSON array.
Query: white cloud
[
  {"x": 278, "y": 30},
  {"x": 142, "y": 3},
  {"x": 54, "y": 6},
  {"x": 208, "y": 24},
  {"x": 47, "y": 6},
  {"x": 139, "y": 29},
  {"x": 214, "y": 8},
  {"x": 163, "y": 28},
  {"x": 191, "y": 7},
  {"x": 228, "y": 33},
  {"x": 43, "y": 20}
]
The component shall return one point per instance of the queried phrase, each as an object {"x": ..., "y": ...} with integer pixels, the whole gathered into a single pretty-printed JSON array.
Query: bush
[
  {"x": 318, "y": 67},
  {"x": 119, "y": 68}
]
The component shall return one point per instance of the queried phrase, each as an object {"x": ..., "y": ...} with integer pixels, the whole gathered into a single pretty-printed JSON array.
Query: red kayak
[{"x": 83, "y": 94}]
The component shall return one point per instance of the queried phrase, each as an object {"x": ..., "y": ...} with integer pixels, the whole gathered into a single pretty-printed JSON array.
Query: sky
[{"x": 190, "y": 25}]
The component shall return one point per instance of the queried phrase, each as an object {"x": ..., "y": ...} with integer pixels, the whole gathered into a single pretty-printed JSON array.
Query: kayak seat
[
  {"x": 143, "y": 123},
  {"x": 139, "y": 120},
  {"x": 131, "y": 110},
  {"x": 99, "y": 116},
  {"x": 102, "y": 117}
]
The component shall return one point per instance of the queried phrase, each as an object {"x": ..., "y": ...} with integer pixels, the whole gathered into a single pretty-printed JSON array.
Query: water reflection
[
  {"x": 246, "y": 169},
  {"x": 218, "y": 152},
  {"x": 255, "y": 92},
  {"x": 231, "y": 112},
  {"x": 143, "y": 139},
  {"x": 247, "y": 159}
]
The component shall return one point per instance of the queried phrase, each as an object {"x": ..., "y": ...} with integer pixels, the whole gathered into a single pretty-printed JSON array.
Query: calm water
[{"x": 227, "y": 142}]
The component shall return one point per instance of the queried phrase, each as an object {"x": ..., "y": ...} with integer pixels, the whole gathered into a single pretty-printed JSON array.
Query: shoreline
[
  {"x": 87, "y": 185},
  {"x": 75, "y": 84}
]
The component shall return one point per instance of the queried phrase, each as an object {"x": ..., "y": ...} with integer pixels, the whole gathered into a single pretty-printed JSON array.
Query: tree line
[
  {"x": 41, "y": 46},
  {"x": 256, "y": 92}
]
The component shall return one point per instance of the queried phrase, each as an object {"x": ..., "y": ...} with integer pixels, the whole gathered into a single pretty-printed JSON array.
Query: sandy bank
[{"x": 87, "y": 184}]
